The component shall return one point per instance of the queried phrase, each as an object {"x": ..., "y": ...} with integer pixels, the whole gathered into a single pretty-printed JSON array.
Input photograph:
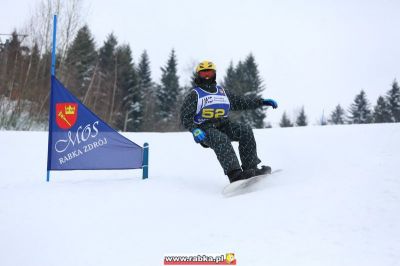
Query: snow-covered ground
[{"x": 336, "y": 202}]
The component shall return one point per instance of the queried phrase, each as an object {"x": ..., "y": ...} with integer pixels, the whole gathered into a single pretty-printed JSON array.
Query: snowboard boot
[
  {"x": 238, "y": 174},
  {"x": 263, "y": 170}
]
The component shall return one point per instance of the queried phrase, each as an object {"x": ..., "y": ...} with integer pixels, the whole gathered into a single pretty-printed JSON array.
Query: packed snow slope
[{"x": 336, "y": 202}]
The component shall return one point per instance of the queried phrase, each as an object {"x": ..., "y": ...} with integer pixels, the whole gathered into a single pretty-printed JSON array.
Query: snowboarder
[{"x": 205, "y": 113}]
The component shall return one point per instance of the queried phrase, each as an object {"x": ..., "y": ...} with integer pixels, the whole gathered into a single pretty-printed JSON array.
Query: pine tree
[
  {"x": 245, "y": 80},
  {"x": 338, "y": 116},
  {"x": 146, "y": 120},
  {"x": 393, "y": 99},
  {"x": 106, "y": 54},
  {"x": 168, "y": 91},
  {"x": 144, "y": 71},
  {"x": 133, "y": 103},
  {"x": 230, "y": 79},
  {"x": 31, "y": 79},
  {"x": 382, "y": 112},
  {"x": 301, "y": 120},
  {"x": 80, "y": 62},
  {"x": 360, "y": 111},
  {"x": 126, "y": 82},
  {"x": 232, "y": 82},
  {"x": 3, "y": 68},
  {"x": 10, "y": 86},
  {"x": 106, "y": 79},
  {"x": 13, "y": 58},
  {"x": 285, "y": 121},
  {"x": 193, "y": 80}
]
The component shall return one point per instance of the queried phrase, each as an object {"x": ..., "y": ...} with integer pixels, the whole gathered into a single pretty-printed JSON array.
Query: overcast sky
[{"x": 312, "y": 53}]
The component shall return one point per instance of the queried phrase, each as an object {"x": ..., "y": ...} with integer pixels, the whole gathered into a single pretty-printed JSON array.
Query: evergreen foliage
[
  {"x": 147, "y": 100},
  {"x": 106, "y": 54},
  {"x": 245, "y": 80},
  {"x": 285, "y": 121},
  {"x": 338, "y": 116},
  {"x": 107, "y": 75},
  {"x": 393, "y": 99},
  {"x": 126, "y": 84},
  {"x": 382, "y": 112},
  {"x": 133, "y": 103},
  {"x": 192, "y": 81},
  {"x": 230, "y": 79},
  {"x": 123, "y": 94},
  {"x": 301, "y": 120},
  {"x": 144, "y": 72},
  {"x": 80, "y": 62},
  {"x": 168, "y": 91},
  {"x": 360, "y": 111},
  {"x": 24, "y": 84}
]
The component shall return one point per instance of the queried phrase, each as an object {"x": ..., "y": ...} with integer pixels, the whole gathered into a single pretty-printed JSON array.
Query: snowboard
[{"x": 244, "y": 186}]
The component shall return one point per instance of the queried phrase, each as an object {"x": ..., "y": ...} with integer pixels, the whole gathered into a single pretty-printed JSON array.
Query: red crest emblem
[{"x": 66, "y": 115}]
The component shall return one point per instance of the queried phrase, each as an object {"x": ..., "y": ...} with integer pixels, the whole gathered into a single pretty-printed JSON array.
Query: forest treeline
[
  {"x": 109, "y": 82},
  {"x": 121, "y": 91}
]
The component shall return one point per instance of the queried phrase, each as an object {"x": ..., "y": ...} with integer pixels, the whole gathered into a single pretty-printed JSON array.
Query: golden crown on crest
[{"x": 69, "y": 110}]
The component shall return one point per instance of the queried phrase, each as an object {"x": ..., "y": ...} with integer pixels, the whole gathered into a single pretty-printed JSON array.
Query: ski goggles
[{"x": 207, "y": 74}]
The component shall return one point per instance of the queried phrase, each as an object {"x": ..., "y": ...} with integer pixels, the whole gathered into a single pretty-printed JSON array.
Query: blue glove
[
  {"x": 198, "y": 135},
  {"x": 270, "y": 102}
]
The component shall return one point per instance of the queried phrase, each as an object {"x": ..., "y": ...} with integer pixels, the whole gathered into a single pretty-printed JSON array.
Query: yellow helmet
[{"x": 205, "y": 65}]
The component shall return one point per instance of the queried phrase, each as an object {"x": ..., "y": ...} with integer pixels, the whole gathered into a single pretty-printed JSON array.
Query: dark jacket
[{"x": 189, "y": 107}]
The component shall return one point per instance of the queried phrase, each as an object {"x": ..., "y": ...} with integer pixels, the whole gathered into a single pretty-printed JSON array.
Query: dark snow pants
[{"x": 219, "y": 139}]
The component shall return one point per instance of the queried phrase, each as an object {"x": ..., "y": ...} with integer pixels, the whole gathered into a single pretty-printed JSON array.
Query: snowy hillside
[{"x": 336, "y": 202}]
